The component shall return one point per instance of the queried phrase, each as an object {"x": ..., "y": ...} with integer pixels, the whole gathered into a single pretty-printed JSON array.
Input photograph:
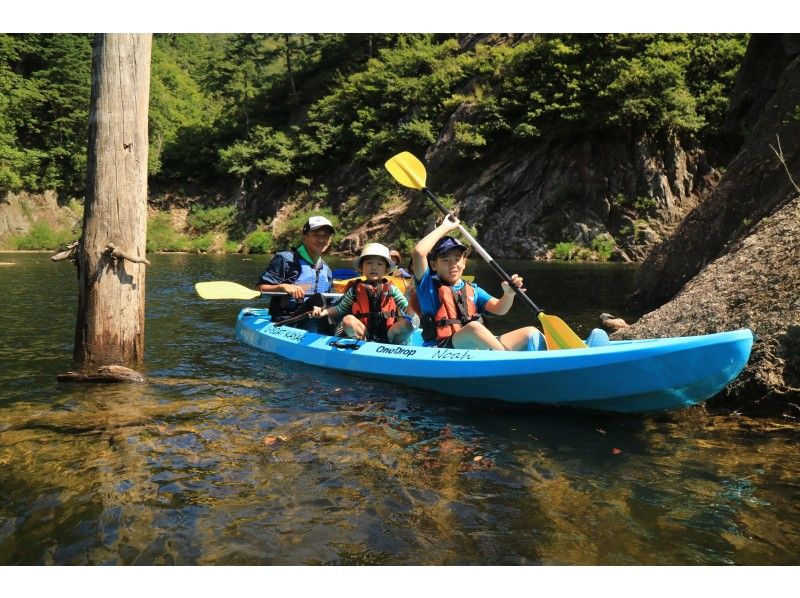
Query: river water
[{"x": 232, "y": 456}]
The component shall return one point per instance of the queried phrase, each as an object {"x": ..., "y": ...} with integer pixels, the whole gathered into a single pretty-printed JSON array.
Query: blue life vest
[
  {"x": 299, "y": 271},
  {"x": 319, "y": 278}
]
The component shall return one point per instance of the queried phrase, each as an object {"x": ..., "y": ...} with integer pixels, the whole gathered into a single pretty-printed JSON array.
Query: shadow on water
[{"x": 231, "y": 456}]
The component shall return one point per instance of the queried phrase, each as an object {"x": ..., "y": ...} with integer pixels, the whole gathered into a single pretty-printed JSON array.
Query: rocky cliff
[
  {"x": 735, "y": 260},
  {"x": 19, "y": 212},
  {"x": 532, "y": 196},
  {"x": 526, "y": 196},
  {"x": 755, "y": 183}
]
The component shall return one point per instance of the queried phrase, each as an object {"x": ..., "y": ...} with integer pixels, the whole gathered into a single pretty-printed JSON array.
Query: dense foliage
[
  {"x": 44, "y": 104},
  {"x": 541, "y": 87},
  {"x": 292, "y": 112},
  {"x": 283, "y": 107}
]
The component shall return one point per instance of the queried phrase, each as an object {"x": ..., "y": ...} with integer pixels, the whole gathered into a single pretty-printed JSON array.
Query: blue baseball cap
[{"x": 444, "y": 245}]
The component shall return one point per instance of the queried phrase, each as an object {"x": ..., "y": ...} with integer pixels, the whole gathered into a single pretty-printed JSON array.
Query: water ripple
[{"x": 230, "y": 456}]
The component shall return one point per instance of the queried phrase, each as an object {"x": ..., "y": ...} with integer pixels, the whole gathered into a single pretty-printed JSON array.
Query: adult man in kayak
[
  {"x": 300, "y": 272},
  {"x": 450, "y": 308}
]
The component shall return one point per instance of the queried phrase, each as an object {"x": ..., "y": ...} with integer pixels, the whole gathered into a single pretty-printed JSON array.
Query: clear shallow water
[{"x": 230, "y": 456}]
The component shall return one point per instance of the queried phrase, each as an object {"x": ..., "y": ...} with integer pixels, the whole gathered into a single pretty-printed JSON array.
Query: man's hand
[{"x": 294, "y": 290}]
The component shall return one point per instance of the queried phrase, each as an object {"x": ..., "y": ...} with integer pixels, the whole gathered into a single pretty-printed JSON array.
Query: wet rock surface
[
  {"x": 755, "y": 285},
  {"x": 735, "y": 260}
]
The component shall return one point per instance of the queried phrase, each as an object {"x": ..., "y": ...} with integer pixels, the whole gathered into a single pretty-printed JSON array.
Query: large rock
[
  {"x": 20, "y": 211},
  {"x": 735, "y": 260},
  {"x": 755, "y": 285},
  {"x": 754, "y": 185},
  {"x": 536, "y": 193}
]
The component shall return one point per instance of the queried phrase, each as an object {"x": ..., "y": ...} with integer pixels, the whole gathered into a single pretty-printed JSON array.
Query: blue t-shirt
[{"x": 428, "y": 296}]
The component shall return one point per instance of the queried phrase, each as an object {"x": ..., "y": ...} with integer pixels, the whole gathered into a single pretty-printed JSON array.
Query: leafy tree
[
  {"x": 267, "y": 152},
  {"x": 45, "y": 82},
  {"x": 238, "y": 76},
  {"x": 710, "y": 75},
  {"x": 185, "y": 110},
  {"x": 65, "y": 78},
  {"x": 176, "y": 102},
  {"x": 566, "y": 85}
]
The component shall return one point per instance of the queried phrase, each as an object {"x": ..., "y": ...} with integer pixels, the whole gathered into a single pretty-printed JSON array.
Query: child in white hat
[{"x": 372, "y": 308}]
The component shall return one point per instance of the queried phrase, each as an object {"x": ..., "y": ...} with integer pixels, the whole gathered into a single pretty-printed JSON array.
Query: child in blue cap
[{"x": 450, "y": 309}]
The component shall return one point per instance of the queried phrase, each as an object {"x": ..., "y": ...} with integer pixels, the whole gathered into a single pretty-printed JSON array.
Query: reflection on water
[{"x": 229, "y": 456}]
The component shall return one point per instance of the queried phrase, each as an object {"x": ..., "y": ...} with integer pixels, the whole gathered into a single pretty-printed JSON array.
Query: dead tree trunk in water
[
  {"x": 109, "y": 332},
  {"x": 289, "y": 72}
]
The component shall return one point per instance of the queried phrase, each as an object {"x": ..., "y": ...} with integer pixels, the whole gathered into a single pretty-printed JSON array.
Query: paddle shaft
[
  {"x": 492, "y": 264},
  {"x": 281, "y": 293},
  {"x": 293, "y": 319}
]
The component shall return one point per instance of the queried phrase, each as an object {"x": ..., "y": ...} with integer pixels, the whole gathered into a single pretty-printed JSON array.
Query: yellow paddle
[
  {"x": 223, "y": 289},
  {"x": 409, "y": 172}
]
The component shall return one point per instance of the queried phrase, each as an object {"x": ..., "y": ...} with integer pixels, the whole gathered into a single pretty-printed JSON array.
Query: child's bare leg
[
  {"x": 517, "y": 340},
  {"x": 353, "y": 327},
  {"x": 476, "y": 336},
  {"x": 400, "y": 331}
]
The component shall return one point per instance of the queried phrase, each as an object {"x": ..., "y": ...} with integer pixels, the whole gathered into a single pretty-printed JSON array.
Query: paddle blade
[
  {"x": 558, "y": 335},
  {"x": 407, "y": 170},
  {"x": 222, "y": 289},
  {"x": 403, "y": 284}
]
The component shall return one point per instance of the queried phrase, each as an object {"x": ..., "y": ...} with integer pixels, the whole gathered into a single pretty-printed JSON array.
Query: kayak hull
[{"x": 639, "y": 376}]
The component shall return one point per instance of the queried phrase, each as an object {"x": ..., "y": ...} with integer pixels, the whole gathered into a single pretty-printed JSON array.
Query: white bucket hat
[{"x": 374, "y": 249}]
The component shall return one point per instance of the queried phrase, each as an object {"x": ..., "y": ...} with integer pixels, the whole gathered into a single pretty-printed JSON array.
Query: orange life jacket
[
  {"x": 456, "y": 308},
  {"x": 375, "y": 306}
]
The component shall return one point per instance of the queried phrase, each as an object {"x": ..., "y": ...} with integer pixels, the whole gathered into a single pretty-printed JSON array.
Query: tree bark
[
  {"x": 110, "y": 258},
  {"x": 289, "y": 71}
]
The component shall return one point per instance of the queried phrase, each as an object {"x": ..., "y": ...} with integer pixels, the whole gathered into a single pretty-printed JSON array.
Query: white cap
[
  {"x": 316, "y": 222},
  {"x": 373, "y": 249}
]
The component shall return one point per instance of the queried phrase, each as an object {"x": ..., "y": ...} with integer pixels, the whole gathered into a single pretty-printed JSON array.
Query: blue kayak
[{"x": 636, "y": 376}]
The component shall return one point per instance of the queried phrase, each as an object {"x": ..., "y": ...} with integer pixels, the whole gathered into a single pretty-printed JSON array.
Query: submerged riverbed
[{"x": 232, "y": 456}]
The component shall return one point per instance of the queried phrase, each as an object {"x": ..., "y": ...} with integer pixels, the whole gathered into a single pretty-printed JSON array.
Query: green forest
[{"x": 286, "y": 115}]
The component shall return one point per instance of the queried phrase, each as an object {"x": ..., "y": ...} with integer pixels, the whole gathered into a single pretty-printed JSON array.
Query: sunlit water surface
[{"x": 232, "y": 456}]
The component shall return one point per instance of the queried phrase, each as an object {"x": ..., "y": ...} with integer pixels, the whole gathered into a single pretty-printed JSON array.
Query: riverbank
[{"x": 214, "y": 224}]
